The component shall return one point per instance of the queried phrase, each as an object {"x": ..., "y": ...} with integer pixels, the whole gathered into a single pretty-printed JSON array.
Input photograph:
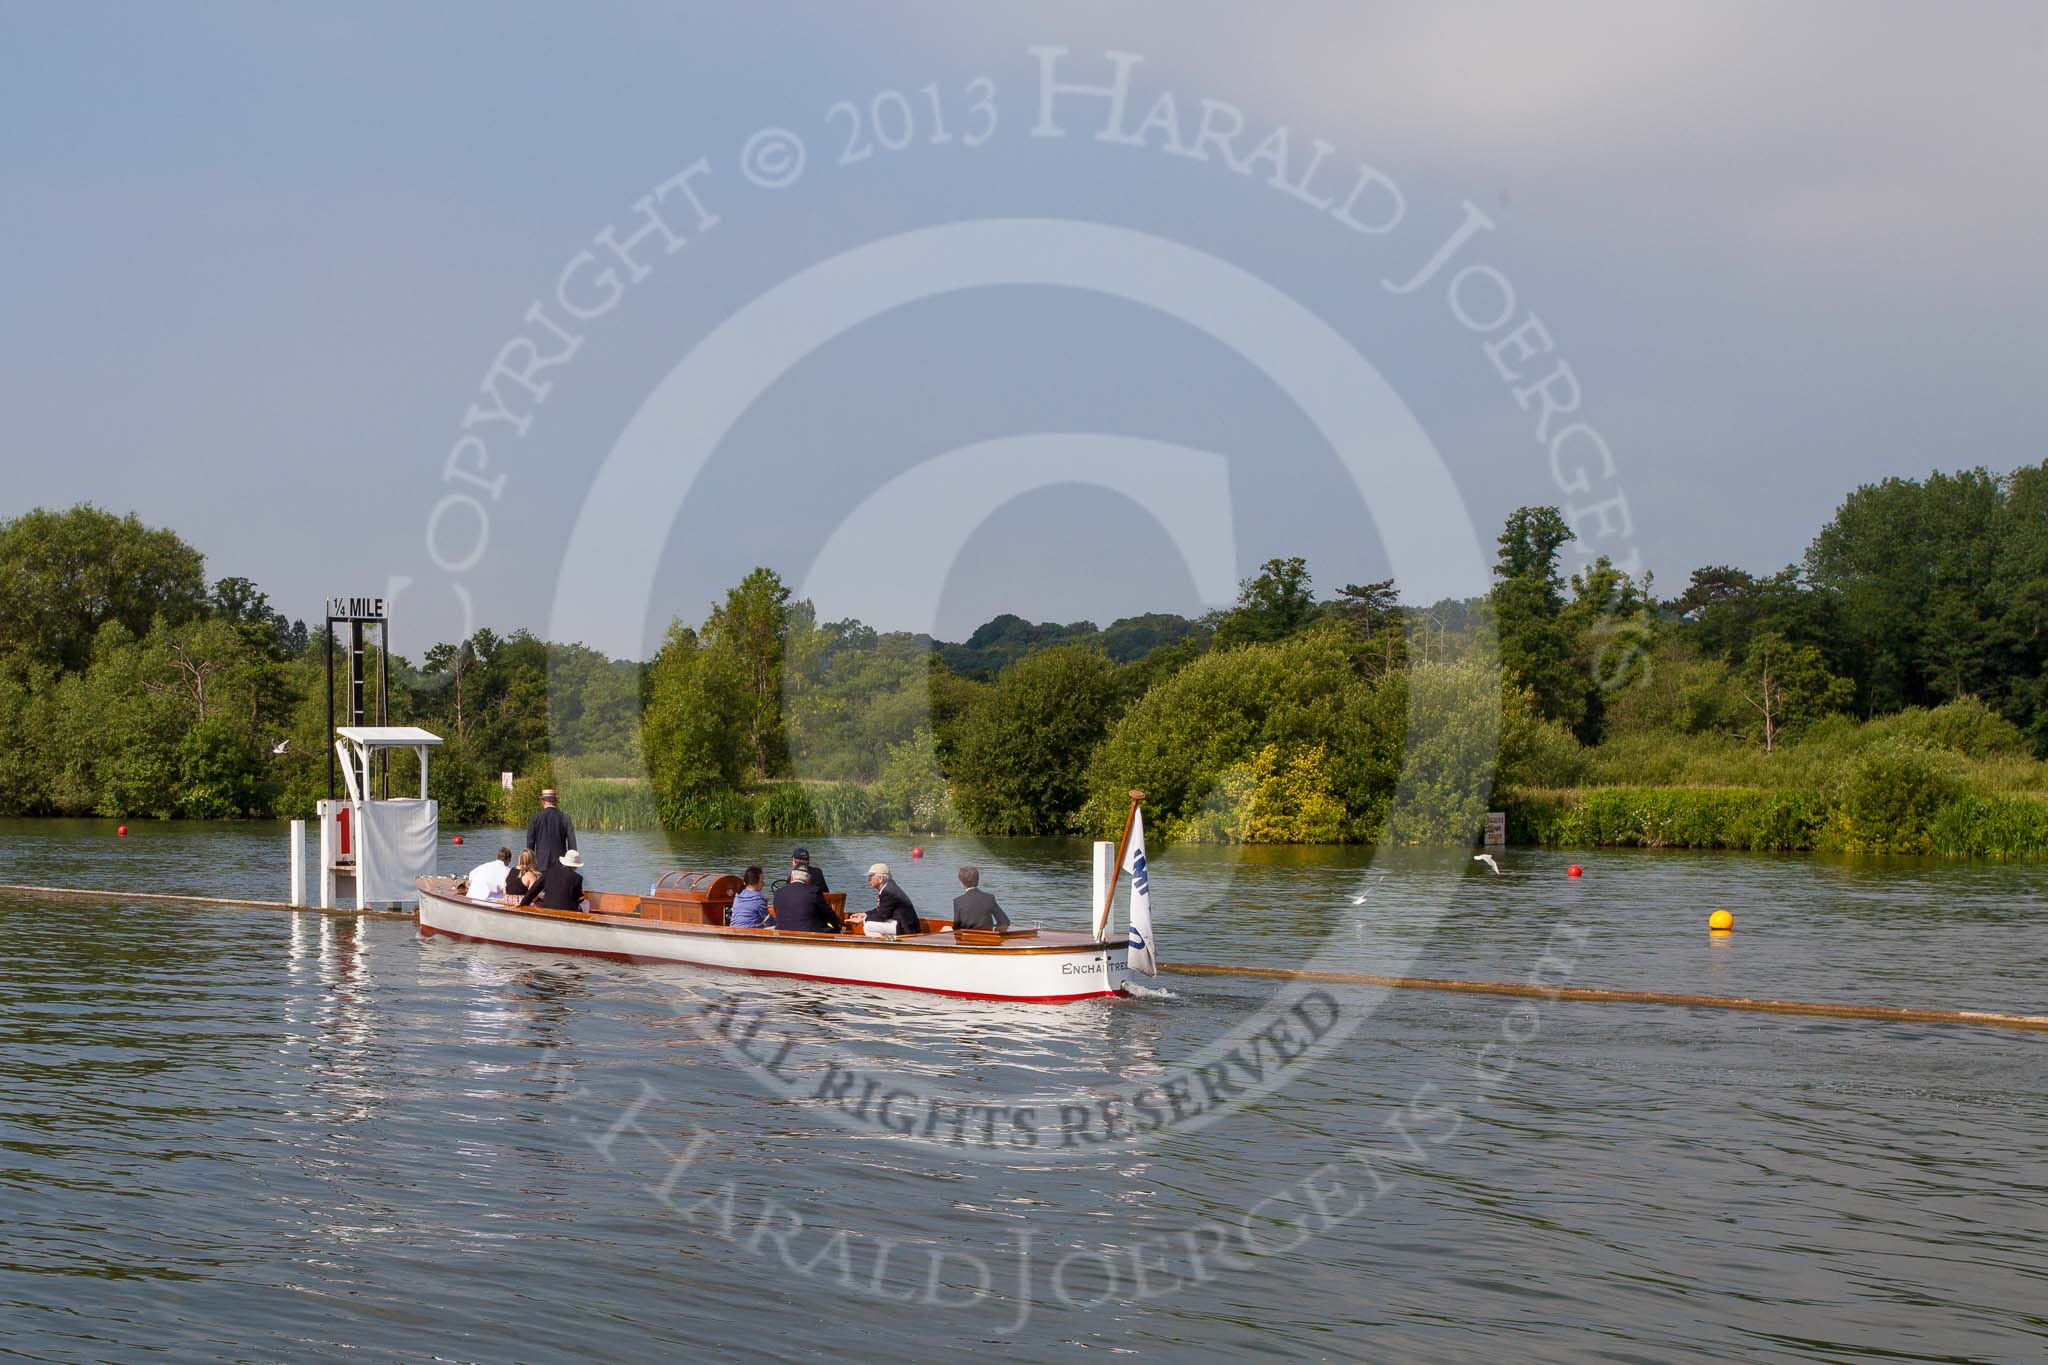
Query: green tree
[
  {"x": 1374, "y": 611},
  {"x": 746, "y": 631},
  {"x": 694, "y": 731},
  {"x": 1788, "y": 687},
  {"x": 63, "y": 575},
  {"x": 1914, "y": 566},
  {"x": 1271, "y": 605},
  {"x": 1024, "y": 752},
  {"x": 1536, "y": 646}
]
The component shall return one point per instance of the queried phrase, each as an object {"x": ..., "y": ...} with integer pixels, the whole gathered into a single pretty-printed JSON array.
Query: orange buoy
[
  {"x": 1720, "y": 921},
  {"x": 458, "y": 838},
  {"x": 916, "y": 853},
  {"x": 1574, "y": 870},
  {"x": 121, "y": 830}
]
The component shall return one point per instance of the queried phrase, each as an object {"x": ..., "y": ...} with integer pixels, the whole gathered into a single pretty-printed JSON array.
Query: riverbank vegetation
[{"x": 1889, "y": 693}]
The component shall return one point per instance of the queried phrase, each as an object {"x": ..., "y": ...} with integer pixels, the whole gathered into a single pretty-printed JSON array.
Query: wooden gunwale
[{"x": 1075, "y": 942}]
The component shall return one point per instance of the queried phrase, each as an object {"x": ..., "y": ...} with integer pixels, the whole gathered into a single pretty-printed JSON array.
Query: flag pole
[{"x": 1116, "y": 868}]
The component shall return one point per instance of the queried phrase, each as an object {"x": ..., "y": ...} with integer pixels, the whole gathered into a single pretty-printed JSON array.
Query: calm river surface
[{"x": 250, "y": 1135}]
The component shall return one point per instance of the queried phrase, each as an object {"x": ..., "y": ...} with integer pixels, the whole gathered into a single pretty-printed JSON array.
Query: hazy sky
[{"x": 262, "y": 260}]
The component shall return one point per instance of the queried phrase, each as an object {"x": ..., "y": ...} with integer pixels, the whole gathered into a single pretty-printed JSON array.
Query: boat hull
[{"x": 1055, "y": 968}]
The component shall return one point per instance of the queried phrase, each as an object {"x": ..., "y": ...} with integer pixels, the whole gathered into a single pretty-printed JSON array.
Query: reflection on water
[{"x": 250, "y": 1135}]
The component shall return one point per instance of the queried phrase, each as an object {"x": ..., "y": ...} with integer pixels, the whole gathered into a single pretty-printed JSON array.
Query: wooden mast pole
[{"x": 1116, "y": 868}]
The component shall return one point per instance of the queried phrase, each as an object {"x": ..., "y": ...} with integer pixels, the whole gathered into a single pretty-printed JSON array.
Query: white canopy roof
[{"x": 387, "y": 736}]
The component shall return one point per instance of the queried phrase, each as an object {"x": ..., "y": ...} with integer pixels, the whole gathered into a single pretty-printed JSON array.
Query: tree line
[{"x": 131, "y": 685}]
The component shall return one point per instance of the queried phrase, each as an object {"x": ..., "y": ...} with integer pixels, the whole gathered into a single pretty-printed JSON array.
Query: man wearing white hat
[
  {"x": 549, "y": 834},
  {"x": 893, "y": 913},
  {"x": 561, "y": 886}
]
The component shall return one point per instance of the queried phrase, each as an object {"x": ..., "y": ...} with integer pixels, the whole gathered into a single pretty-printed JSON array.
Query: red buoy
[
  {"x": 458, "y": 838},
  {"x": 916, "y": 853},
  {"x": 1574, "y": 870},
  {"x": 121, "y": 830}
]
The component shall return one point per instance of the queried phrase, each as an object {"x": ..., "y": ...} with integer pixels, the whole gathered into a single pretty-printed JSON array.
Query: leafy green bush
[
  {"x": 217, "y": 779},
  {"x": 1181, "y": 741},
  {"x": 1967, "y": 727},
  {"x": 519, "y": 805},
  {"x": 1890, "y": 803},
  {"x": 1269, "y": 800},
  {"x": 911, "y": 793}
]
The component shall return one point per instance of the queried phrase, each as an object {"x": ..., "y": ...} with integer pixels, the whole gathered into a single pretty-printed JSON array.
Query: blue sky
[{"x": 261, "y": 258}]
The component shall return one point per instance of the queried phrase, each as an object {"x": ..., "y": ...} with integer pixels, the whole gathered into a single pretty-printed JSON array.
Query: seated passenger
[
  {"x": 561, "y": 886},
  {"x": 486, "y": 881},
  {"x": 801, "y": 858},
  {"x": 800, "y": 907},
  {"x": 975, "y": 908},
  {"x": 750, "y": 907},
  {"x": 893, "y": 913},
  {"x": 522, "y": 878}
]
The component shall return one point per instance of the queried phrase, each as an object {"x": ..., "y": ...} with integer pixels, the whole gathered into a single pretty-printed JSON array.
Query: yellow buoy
[{"x": 1721, "y": 921}]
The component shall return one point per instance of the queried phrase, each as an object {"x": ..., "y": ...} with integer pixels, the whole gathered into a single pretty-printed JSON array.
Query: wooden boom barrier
[
  {"x": 161, "y": 898},
  {"x": 1884, "y": 1014},
  {"x": 1889, "y": 1014}
]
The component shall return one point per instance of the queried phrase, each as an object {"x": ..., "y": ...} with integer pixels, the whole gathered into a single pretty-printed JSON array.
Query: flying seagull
[
  {"x": 280, "y": 746},
  {"x": 1487, "y": 858},
  {"x": 1361, "y": 900}
]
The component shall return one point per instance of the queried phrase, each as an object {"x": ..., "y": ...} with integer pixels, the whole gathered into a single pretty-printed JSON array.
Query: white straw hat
[{"x": 572, "y": 859}]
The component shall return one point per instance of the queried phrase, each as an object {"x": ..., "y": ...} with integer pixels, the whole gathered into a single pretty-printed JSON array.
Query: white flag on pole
[{"x": 1141, "y": 957}]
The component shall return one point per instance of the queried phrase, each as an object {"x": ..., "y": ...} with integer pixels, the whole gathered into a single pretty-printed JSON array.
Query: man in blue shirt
[{"x": 750, "y": 907}]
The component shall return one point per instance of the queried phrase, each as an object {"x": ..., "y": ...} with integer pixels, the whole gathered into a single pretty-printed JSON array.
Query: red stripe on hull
[{"x": 427, "y": 931}]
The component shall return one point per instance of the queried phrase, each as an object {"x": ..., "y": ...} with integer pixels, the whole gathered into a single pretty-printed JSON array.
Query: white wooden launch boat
[{"x": 684, "y": 921}]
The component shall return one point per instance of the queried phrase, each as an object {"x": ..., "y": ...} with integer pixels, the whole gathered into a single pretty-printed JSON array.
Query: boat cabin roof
[{"x": 387, "y": 736}]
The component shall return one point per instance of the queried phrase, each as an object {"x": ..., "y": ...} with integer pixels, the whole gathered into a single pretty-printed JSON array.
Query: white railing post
[
  {"x": 1105, "y": 858},
  {"x": 298, "y": 862},
  {"x": 327, "y": 852}
]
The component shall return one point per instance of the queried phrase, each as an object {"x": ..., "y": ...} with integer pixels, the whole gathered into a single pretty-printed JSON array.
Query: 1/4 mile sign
[{"x": 355, "y": 609}]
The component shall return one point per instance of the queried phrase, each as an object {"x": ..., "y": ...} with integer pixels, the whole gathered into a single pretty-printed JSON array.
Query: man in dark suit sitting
[
  {"x": 975, "y": 908},
  {"x": 799, "y": 906},
  {"x": 891, "y": 907}
]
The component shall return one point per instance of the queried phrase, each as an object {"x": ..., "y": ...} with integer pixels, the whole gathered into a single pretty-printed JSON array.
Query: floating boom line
[{"x": 1888, "y": 1014}]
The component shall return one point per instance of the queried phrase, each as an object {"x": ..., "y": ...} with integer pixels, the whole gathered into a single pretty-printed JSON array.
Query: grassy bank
[{"x": 1764, "y": 819}]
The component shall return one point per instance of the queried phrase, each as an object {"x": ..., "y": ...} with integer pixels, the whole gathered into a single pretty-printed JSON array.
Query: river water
[{"x": 250, "y": 1135}]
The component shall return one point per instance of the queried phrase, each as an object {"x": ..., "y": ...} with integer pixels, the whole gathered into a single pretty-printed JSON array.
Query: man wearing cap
[
  {"x": 561, "y": 886},
  {"x": 549, "y": 834},
  {"x": 892, "y": 907},
  {"x": 801, "y": 858}
]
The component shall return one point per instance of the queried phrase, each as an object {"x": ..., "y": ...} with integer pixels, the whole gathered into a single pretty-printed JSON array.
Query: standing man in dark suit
[
  {"x": 801, "y": 858},
  {"x": 975, "y": 908},
  {"x": 549, "y": 834},
  {"x": 891, "y": 905}
]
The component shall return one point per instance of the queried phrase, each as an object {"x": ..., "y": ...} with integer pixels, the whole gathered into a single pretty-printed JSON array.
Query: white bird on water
[
  {"x": 280, "y": 746},
  {"x": 1487, "y": 858}
]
